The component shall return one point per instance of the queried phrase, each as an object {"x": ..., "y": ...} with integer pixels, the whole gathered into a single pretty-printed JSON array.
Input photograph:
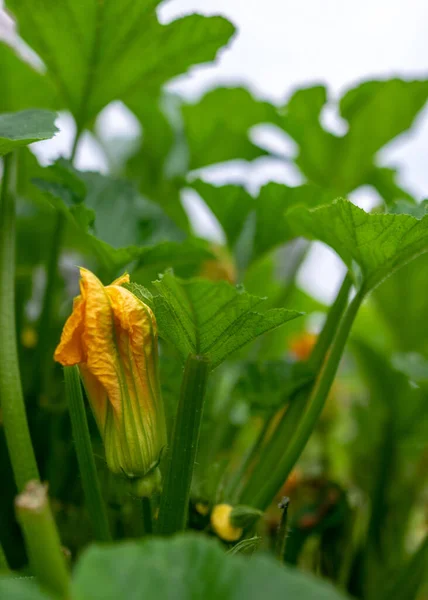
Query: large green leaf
[
  {"x": 404, "y": 306},
  {"x": 271, "y": 222},
  {"x": 148, "y": 167},
  {"x": 19, "y": 588},
  {"x": 97, "y": 52},
  {"x": 104, "y": 214},
  {"x": 188, "y": 567},
  {"x": 213, "y": 319},
  {"x": 230, "y": 204},
  {"x": 378, "y": 243},
  {"x": 23, "y": 87},
  {"x": 376, "y": 112},
  {"x": 25, "y": 127},
  {"x": 217, "y": 127}
]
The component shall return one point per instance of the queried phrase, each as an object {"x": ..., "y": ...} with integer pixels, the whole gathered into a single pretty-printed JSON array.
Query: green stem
[
  {"x": 4, "y": 565},
  {"x": 12, "y": 401},
  {"x": 147, "y": 515},
  {"x": 334, "y": 315},
  {"x": 47, "y": 559},
  {"x": 85, "y": 457},
  {"x": 238, "y": 477},
  {"x": 174, "y": 506},
  {"x": 312, "y": 411},
  {"x": 411, "y": 577},
  {"x": 281, "y": 539},
  {"x": 271, "y": 454}
]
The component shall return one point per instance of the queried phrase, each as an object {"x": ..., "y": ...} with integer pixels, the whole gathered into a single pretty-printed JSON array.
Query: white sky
[{"x": 282, "y": 45}]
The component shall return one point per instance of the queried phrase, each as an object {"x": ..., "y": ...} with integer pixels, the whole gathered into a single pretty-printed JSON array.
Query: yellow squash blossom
[{"x": 112, "y": 336}]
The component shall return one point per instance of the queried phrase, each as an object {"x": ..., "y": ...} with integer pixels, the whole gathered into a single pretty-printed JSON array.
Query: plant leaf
[
  {"x": 19, "y": 588},
  {"x": 268, "y": 385},
  {"x": 231, "y": 205},
  {"x": 376, "y": 112},
  {"x": 25, "y": 127},
  {"x": 185, "y": 567},
  {"x": 26, "y": 87},
  {"x": 97, "y": 52},
  {"x": 111, "y": 208},
  {"x": 210, "y": 318},
  {"x": 378, "y": 243},
  {"x": 401, "y": 295},
  {"x": 217, "y": 127}
]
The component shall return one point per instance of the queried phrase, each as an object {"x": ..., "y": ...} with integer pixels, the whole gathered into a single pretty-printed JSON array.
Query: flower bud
[
  {"x": 221, "y": 523},
  {"x": 112, "y": 336}
]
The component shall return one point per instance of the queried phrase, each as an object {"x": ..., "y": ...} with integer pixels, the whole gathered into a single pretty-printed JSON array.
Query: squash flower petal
[{"x": 112, "y": 336}]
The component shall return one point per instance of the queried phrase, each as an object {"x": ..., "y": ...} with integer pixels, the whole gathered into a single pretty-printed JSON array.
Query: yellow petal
[
  {"x": 70, "y": 350},
  {"x": 99, "y": 338},
  {"x": 122, "y": 279}
]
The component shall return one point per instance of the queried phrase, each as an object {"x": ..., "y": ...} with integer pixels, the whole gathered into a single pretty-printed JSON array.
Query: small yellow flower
[
  {"x": 222, "y": 525},
  {"x": 112, "y": 336}
]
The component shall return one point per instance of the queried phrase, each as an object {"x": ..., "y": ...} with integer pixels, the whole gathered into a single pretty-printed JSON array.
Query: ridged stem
[
  {"x": 47, "y": 560},
  {"x": 85, "y": 456},
  {"x": 308, "y": 420},
  {"x": 174, "y": 505},
  {"x": 12, "y": 401}
]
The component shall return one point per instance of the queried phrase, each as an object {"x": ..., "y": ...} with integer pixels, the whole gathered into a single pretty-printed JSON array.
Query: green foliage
[
  {"x": 401, "y": 295},
  {"x": 26, "y": 87},
  {"x": 268, "y": 385},
  {"x": 375, "y": 111},
  {"x": 217, "y": 127},
  {"x": 210, "y": 319},
  {"x": 25, "y": 127},
  {"x": 94, "y": 205},
  {"x": 388, "y": 459},
  {"x": 261, "y": 407},
  {"x": 97, "y": 59},
  {"x": 188, "y": 567},
  {"x": 378, "y": 243},
  {"x": 18, "y": 588}
]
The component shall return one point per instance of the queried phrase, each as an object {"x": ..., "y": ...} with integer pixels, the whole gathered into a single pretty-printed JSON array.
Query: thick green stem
[
  {"x": 335, "y": 313},
  {"x": 85, "y": 457},
  {"x": 12, "y": 401},
  {"x": 4, "y": 566},
  {"x": 47, "y": 560},
  {"x": 174, "y": 506},
  {"x": 313, "y": 409},
  {"x": 272, "y": 453},
  {"x": 238, "y": 479}
]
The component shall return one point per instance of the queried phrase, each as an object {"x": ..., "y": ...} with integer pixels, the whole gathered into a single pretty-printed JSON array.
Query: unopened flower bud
[
  {"x": 112, "y": 336},
  {"x": 222, "y": 524}
]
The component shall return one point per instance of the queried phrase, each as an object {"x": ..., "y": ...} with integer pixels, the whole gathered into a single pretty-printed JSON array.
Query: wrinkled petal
[
  {"x": 102, "y": 359},
  {"x": 122, "y": 279},
  {"x": 70, "y": 350}
]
